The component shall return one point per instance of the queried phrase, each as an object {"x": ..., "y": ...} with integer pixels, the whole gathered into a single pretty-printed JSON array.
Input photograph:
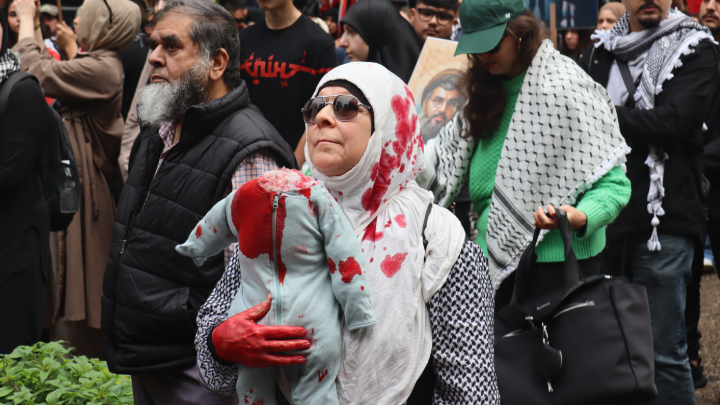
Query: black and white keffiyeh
[
  {"x": 563, "y": 137},
  {"x": 665, "y": 44},
  {"x": 9, "y": 64}
]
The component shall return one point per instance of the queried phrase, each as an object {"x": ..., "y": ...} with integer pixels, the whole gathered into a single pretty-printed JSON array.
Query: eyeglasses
[
  {"x": 345, "y": 107},
  {"x": 438, "y": 102},
  {"x": 497, "y": 47},
  {"x": 427, "y": 14}
]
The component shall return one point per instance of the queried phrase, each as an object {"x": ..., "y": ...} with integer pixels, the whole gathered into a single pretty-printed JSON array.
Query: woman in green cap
[{"x": 536, "y": 132}]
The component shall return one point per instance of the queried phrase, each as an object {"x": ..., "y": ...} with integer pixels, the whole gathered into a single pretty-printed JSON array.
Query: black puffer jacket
[
  {"x": 676, "y": 125},
  {"x": 151, "y": 293}
]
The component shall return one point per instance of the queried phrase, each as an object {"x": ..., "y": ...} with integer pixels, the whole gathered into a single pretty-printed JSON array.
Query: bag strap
[
  {"x": 427, "y": 215},
  {"x": 7, "y": 87},
  {"x": 627, "y": 79},
  {"x": 93, "y": 108},
  {"x": 526, "y": 269}
]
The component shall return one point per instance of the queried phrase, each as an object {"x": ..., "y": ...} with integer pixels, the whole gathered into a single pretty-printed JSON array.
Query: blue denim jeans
[{"x": 665, "y": 274}]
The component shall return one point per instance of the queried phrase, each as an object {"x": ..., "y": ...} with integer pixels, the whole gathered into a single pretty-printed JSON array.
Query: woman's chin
[{"x": 328, "y": 166}]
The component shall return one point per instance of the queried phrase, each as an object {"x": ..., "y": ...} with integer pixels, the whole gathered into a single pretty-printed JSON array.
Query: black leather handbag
[{"x": 587, "y": 343}]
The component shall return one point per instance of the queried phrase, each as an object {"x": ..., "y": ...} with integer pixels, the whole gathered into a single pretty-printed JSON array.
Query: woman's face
[
  {"x": 355, "y": 47},
  {"x": 13, "y": 20},
  {"x": 571, "y": 39},
  {"x": 335, "y": 147},
  {"x": 501, "y": 62},
  {"x": 606, "y": 20},
  {"x": 332, "y": 25}
]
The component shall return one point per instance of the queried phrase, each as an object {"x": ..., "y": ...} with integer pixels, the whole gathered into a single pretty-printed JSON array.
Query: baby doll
[{"x": 296, "y": 244}]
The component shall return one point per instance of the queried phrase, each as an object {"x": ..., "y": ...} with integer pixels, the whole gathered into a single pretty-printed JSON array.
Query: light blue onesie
[{"x": 296, "y": 244}]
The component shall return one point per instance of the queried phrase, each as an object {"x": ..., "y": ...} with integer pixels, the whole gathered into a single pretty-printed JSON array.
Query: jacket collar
[{"x": 200, "y": 119}]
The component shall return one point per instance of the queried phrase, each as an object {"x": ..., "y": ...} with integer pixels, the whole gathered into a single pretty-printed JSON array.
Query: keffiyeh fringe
[{"x": 673, "y": 38}]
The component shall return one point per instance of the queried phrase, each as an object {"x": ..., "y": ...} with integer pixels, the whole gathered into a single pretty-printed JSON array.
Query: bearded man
[
  {"x": 440, "y": 101},
  {"x": 660, "y": 70},
  {"x": 202, "y": 138}
]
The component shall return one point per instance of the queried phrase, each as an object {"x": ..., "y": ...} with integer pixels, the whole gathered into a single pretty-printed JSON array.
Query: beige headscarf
[
  {"x": 616, "y": 8},
  {"x": 108, "y": 24}
]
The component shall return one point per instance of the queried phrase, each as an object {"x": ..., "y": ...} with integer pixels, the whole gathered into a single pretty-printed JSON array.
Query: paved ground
[{"x": 710, "y": 329}]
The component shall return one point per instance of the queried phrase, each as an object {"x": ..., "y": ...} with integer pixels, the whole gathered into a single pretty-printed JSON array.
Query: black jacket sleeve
[
  {"x": 28, "y": 122},
  {"x": 691, "y": 89}
]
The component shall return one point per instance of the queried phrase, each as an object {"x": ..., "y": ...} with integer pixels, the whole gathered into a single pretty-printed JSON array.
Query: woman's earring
[{"x": 519, "y": 43}]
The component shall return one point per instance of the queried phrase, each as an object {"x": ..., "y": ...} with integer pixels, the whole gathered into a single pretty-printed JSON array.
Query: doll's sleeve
[
  {"x": 346, "y": 262},
  {"x": 212, "y": 234}
]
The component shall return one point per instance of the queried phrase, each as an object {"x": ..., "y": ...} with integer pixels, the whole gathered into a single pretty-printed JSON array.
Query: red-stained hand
[
  {"x": 577, "y": 219},
  {"x": 241, "y": 340}
]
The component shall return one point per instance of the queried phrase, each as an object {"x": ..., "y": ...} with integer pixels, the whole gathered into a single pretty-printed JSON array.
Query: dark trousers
[
  {"x": 22, "y": 297},
  {"x": 665, "y": 274},
  {"x": 692, "y": 304}
]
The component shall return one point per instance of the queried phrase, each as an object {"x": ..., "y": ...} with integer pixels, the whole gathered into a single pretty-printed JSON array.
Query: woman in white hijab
[{"x": 430, "y": 290}]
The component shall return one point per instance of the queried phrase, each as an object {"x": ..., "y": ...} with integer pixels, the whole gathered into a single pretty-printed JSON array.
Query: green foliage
[{"x": 43, "y": 374}]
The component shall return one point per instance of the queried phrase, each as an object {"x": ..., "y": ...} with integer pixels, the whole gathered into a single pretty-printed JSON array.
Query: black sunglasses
[
  {"x": 427, "y": 14},
  {"x": 497, "y": 47},
  {"x": 345, "y": 107}
]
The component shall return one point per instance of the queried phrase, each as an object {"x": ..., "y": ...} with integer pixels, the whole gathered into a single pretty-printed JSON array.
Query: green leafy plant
[{"x": 44, "y": 374}]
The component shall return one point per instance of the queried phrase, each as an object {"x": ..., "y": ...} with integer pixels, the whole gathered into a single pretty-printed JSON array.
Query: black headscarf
[
  {"x": 391, "y": 38},
  {"x": 5, "y": 32}
]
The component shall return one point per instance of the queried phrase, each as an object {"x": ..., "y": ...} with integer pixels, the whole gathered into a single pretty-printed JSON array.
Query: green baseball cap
[{"x": 484, "y": 22}]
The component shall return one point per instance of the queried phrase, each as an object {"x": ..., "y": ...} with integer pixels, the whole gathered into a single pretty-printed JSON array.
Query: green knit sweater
[{"x": 602, "y": 203}]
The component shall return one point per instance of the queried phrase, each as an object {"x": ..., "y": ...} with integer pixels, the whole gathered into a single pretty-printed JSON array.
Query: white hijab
[{"x": 387, "y": 208}]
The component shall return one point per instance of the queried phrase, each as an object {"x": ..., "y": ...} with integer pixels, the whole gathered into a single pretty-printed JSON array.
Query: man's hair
[
  {"x": 448, "y": 4},
  {"x": 213, "y": 28},
  {"x": 447, "y": 79},
  {"x": 232, "y": 5}
]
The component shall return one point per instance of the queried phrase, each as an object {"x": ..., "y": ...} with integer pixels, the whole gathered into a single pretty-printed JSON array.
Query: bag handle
[{"x": 526, "y": 271}]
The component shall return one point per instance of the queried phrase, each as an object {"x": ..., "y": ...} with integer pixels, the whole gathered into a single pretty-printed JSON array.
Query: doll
[{"x": 295, "y": 243}]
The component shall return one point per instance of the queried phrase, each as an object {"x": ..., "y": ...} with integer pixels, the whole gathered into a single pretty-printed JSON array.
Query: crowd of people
[{"x": 171, "y": 107}]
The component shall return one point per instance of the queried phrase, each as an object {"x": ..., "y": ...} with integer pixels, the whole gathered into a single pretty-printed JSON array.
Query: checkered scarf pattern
[
  {"x": 664, "y": 44},
  {"x": 9, "y": 64}
]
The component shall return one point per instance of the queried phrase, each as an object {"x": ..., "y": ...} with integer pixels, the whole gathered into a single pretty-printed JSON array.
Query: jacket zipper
[
  {"x": 575, "y": 306},
  {"x": 278, "y": 298},
  {"x": 127, "y": 232}
]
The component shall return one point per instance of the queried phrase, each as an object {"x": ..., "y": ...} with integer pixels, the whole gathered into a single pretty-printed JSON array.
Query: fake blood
[
  {"x": 349, "y": 268},
  {"x": 281, "y": 214},
  {"x": 331, "y": 266},
  {"x": 198, "y": 232},
  {"x": 381, "y": 173},
  {"x": 400, "y": 219},
  {"x": 251, "y": 210},
  {"x": 307, "y": 192},
  {"x": 322, "y": 375},
  {"x": 391, "y": 264},
  {"x": 370, "y": 233}
]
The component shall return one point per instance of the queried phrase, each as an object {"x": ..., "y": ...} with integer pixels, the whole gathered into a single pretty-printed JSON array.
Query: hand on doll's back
[{"x": 241, "y": 340}]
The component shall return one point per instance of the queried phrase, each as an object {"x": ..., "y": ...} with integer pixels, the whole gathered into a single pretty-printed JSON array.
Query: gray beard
[
  {"x": 168, "y": 101},
  {"x": 429, "y": 129}
]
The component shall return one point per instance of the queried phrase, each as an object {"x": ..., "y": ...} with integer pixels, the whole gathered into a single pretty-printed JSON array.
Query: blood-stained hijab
[
  {"x": 387, "y": 209},
  {"x": 108, "y": 24}
]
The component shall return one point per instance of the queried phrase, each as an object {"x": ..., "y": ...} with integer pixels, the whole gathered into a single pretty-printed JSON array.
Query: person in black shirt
[{"x": 282, "y": 60}]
